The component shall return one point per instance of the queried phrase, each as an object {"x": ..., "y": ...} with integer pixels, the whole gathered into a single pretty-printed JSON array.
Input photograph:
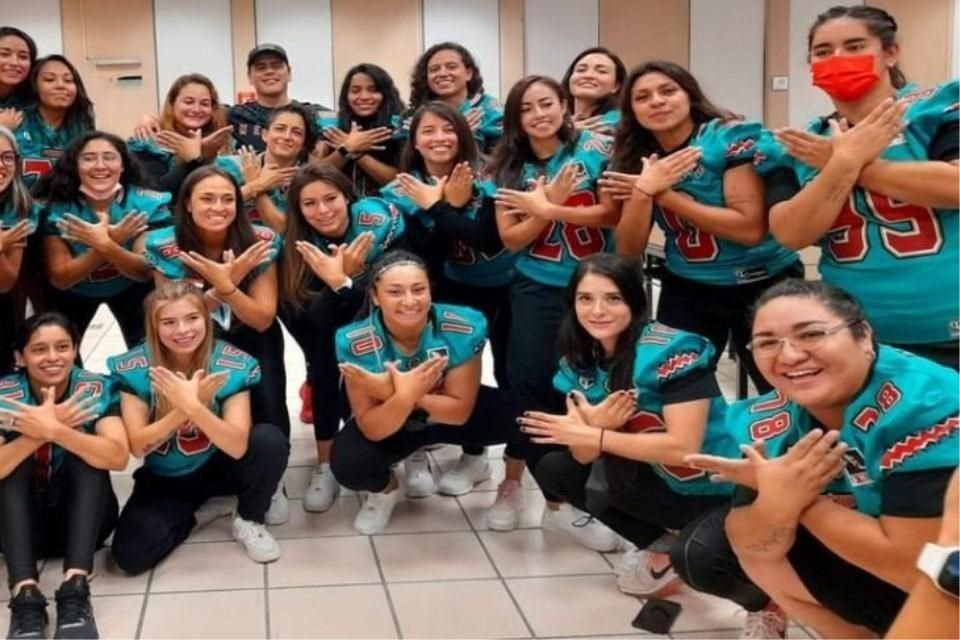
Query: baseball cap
[{"x": 267, "y": 48}]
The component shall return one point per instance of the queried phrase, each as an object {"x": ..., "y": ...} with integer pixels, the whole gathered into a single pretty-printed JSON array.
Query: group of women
[{"x": 392, "y": 242}]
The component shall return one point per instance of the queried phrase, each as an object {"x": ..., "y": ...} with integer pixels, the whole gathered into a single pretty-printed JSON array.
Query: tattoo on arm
[{"x": 777, "y": 537}]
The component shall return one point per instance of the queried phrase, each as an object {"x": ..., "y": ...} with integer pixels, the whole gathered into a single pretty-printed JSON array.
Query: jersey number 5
[{"x": 906, "y": 230}]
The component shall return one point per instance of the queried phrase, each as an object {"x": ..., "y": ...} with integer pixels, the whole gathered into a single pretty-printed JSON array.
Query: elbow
[
  {"x": 118, "y": 461},
  {"x": 752, "y": 237},
  {"x": 238, "y": 450},
  {"x": 262, "y": 323},
  {"x": 512, "y": 245},
  {"x": 60, "y": 281}
]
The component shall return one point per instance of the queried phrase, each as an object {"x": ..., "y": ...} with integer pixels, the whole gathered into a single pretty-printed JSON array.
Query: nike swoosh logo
[{"x": 659, "y": 574}]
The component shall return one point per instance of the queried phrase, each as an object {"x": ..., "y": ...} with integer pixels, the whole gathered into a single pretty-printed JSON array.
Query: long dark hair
[
  {"x": 633, "y": 141},
  {"x": 390, "y": 106},
  {"x": 508, "y": 157},
  {"x": 582, "y": 352},
  {"x": 79, "y": 116},
  {"x": 309, "y": 130},
  {"x": 24, "y": 90},
  {"x": 412, "y": 160},
  {"x": 612, "y": 101},
  {"x": 36, "y": 322},
  {"x": 877, "y": 21},
  {"x": 295, "y": 275},
  {"x": 420, "y": 90},
  {"x": 240, "y": 234},
  {"x": 62, "y": 183}
]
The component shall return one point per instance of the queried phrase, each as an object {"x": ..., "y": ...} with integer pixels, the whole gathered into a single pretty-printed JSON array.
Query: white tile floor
[{"x": 435, "y": 573}]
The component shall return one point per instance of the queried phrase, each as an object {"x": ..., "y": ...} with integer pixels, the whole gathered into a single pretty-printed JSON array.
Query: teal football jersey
[
  {"x": 899, "y": 259},
  {"x": 188, "y": 448},
  {"x": 149, "y": 146},
  {"x": 697, "y": 255},
  {"x": 663, "y": 356},
  {"x": 40, "y": 145},
  {"x": 106, "y": 280},
  {"x": 490, "y": 129},
  {"x": 374, "y": 215},
  {"x": 92, "y": 386},
  {"x": 8, "y": 218},
  {"x": 233, "y": 166},
  {"x": 904, "y": 419},
  {"x": 609, "y": 121}
]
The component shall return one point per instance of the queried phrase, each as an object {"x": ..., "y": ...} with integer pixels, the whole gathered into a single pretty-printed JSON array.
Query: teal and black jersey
[
  {"x": 670, "y": 366},
  {"x": 700, "y": 256},
  {"x": 488, "y": 132},
  {"x": 553, "y": 256},
  {"x": 250, "y": 119},
  {"x": 373, "y": 215},
  {"x": 388, "y": 152},
  {"x": 609, "y": 121},
  {"x": 148, "y": 147},
  {"x": 904, "y": 420},
  {"x": 41, "y": 145},
  {"x": 898, "y": 259},
  {"x": 9, "y": 218},
  {"x": 106, "y": 280},
  {"x": 187, "y": 449},
  {"x": 458, "y": 333},
  {"x": 234, "y": 166},
  {"x": 92, "y": 387}
]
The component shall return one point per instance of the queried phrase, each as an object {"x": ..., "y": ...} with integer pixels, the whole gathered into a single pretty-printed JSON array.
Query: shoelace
[
  {"x": 29, "y": 614},
  {"x": 582, "y": 521},
  {"x": 758, "y": 624},
  {"x": 72, "y": 608}
]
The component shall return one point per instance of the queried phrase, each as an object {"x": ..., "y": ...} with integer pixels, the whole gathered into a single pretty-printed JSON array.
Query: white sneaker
[
  {"x": 279, "y": 510},
  {"x": 213, "y": 509},
  {"x": 768, "y": 624},
  {"x": 322, "y": 491},
  {"x": 636, "y": 576},
  {"x": 417, "y": 475},
  {"x": 581, "y": 526},
  {"x": 464, "y": 475},
  {"x": 256, "y": 540},
  {"x": 374, "y": 515},
  {"x": 504, "y": 515}
]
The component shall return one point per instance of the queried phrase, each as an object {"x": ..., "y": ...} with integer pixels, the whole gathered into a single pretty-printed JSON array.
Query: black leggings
[
  {"x": 362, "y": 464},
  {"x": 70, "y": 517},
  {"x": 126, "y": 307},
  {"x": 268, "y": 400},
  {"x": 159, "y": 515},
  {"x": 718, "y": 313}
]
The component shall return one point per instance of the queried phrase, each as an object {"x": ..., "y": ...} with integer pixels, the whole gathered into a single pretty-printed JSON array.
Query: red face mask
[{"x": 845, "y": 78}]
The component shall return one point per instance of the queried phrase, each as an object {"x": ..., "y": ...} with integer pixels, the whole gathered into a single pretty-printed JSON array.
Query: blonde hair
[
  {"x": 218, "y": 118},
  {"x": 159, "y": 298}
]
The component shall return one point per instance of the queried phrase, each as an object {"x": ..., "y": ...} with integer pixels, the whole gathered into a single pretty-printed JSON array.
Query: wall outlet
[{"x": 779, "y": 83}]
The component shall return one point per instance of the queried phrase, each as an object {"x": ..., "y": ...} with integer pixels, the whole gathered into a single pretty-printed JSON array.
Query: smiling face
[
  {"x": 193, "y": 107},
  {"x": 436, "y": 139},
  {"x": 48, "y": 356},
  {"x": 100, "y": 166},
  {"x": 363, "y": 96},
  {"x": 324, "y": 207},
  {"x": 56, "y": 86},
  {"x": 447, "y": 75},
  {"x": 851, "y": 37},
  {"x": 601, "y": 310},
  {"x": 403, "y": 295},
  {"x": 269, "y": 75},
  {"x": 181, "y": 326},
  {"x": 659, "y": 102},
  {"x": 8, "y": 164},
  {"x": 594, "y": 78},
  {"x": 285, "y": 136},
  {"x": 14, "y": 61},
  {"x": 541, "y": 112},
  {"x": 213, "y": 204}
]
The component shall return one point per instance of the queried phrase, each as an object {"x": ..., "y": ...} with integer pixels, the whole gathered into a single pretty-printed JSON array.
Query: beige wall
[
  {"x": 243, "y": 30},
  {"x": 776, "y": 61},
  {"x": 925, "y": 29},
  {"x": 640, "y": 30}
]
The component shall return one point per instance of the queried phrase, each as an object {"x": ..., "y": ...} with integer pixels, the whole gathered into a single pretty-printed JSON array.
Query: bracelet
[
  {"x": 600, "y": 449},
  {"x": 649, "y": 195}
]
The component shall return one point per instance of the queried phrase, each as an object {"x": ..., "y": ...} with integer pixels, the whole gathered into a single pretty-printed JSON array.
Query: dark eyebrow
[
  {"x": 854, "y": 41},
  {"x": 794, "y": 327}
]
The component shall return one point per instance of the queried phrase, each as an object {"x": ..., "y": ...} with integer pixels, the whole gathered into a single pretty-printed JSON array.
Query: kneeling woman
[
  {"x": 412, "y": 372},
  {"x": 186, "y": 406},
  {"x": 60, "y": 437}
]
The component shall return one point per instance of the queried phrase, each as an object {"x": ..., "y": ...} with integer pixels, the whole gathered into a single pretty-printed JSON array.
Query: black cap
[{"x": 267, "y": 48}]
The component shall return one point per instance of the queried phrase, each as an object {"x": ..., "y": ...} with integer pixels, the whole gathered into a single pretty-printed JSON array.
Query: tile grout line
[
  {"x": 266, "y": 600},
  {"x": 383, "y": 584},
  {"x": 143, "y": 607}
]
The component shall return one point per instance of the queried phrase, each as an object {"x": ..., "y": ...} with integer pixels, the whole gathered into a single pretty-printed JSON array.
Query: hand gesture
[
  {"x": 423, "y": 195},
  {"x": 210, "y": 383},
  {"x": 808, "y": 148},
  {"x": 180, "y": 391},
  {"x": 15, "y": 237},
  {"x": 11, "y": 118},
  {"x": 38, "y": 422},
  {"x": 218, "y": 274},
  {"x": 147, "y": 126},
  {"x": 592, "y": 123},
  {"x": 610, "y": 413},
  {"x": 75, "y": 411},
  {"x": 359, "y": 140},
  {"x": 328, "y": 267},
  {"x": 568, "y": 429},
  {"x": 860, "y": 145},
  {"x": 618, "y": 185},
  {"x": 534, "y": 202},
  {"x": 474, "y": 118},
  {"x": 96, "y": 236},
  {"x": 459, "y": 188},
  {"x": 273, "y": 177},
  {"x": 376, "y": 385},
  {"x": 185, "y": 148},
  {"x": 561, "y": 187},
  {"x": 419, "y": 381},
  {"x": 355, "y": 254},
  {"x": 130, "y": 226},
  {"x": 257, "y": 254},
  {"x": 660, "y": 174},
  {"x": 211, "y": 145},
  {"x": 249, "y": 164}
]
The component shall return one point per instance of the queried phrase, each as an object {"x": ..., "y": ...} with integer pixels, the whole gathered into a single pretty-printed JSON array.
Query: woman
[
  {"x": 412, "y": 373},
  {"x": 453, "y": 225},
  {"x": 641, "y": 395},
  {"x": 264, "y": 177},
  {"x": 193, "y": 129},
  {"x": 447, "y": 72},
  {"x": 880, "y": 198},
  {"x": 185, "y": 398},
  {"x": 96, "y": 211},
  {"x": 331, "y": 239},
  {"x": 59, "y": 439},
  {"x": 593, "y": 82},
  {"x": 361, "y": 139},
  {"x": 18, "y": 220},
  {"x": 18, "y": 53},
  {"x": 214, "y": 246},
  {"x": 835, "y": 550},
  {"x": 62, "y": 113},
  {"x": 698, "y": 184}
]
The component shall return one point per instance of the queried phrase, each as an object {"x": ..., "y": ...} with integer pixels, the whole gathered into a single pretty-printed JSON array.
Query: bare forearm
[
  {"x": 597, "y": 215},
  {"x": 754, "y": 534},
  {"x": 379, "y": 171},
  {"x": 13, "y": 453},
  {"x": 446, "y": 409},
  {"x": 384, "y": 420},
  {"x": 805, "y": 218},
  {"x": 130, "y": 264},
  {"x": 633, "y": 231},
  {"x": 254, "y": 314},
  {"x": 927, "y": 613},
  {"x": 230, "y": 438},
  {"x": 518, "y": 236},
  {"x": 724, "y": 222},
  {"x": 96, "y": 450},
  {"x": 73, "y": 271},
  {"x": 656, "y": 448},
  {"x": 926, "y": 184},
  {"x": 270, "y": 214},
  {"x": 147, "y": 438}
]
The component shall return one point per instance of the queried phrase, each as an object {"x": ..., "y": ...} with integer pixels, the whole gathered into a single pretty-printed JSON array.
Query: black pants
[
  {"x": 268, "y": 400},
  {"x": 536, "y": 312},
  {"x": 718, "y": 313},
  {"x": 126, "y": 307},
  {"x": 706, "y": 561},
  {"x": 315, "y": 328},
  {"x": 159, "y": 515},
  {"x": 364, "y": 465},
  {"x": 71, "y": 516},
  {"x": 639, "y": 505},
  {"x": 8, "y": 330}
]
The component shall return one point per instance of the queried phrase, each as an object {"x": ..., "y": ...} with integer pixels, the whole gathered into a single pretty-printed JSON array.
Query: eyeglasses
[
  {"x": 108, "y": 158},
  {"x": 806, "y": 339},
  {"x": 8, "y": 158}
]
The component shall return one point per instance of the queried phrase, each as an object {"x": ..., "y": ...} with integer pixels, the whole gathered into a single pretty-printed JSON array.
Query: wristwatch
[
  {"x": 942, "y": 564},
  {"x": 347, "y": 284},
  {"x": 346, "y": 153}
]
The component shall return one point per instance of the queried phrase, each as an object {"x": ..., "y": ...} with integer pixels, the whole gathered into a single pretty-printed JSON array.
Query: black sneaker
[
  {"x": 74, "y": 613},
  {"x": 28, "y": 614}
]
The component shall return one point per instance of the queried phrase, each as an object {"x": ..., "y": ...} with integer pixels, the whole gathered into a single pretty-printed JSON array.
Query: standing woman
[
  {"x": 18, "y": 53},
  {"x": 63, "y": 112},
  {"x": 185, "y": 398},
  {"x": 264, "y": 177},
  {"x": 362, "y": 138},
  {"x": 880, "y": 198},
  {"x": 193, "y": 130},
  {"x": 593, "y": 82},
  {"x": 213, "y": 245},
  {"x": 698, "y": 184},
  {"x": 331, "y": 238},
  {"x": 447, "y": 72},
  {"x": 95, "y": 211},
  {"x": 59, "y": 439}
]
